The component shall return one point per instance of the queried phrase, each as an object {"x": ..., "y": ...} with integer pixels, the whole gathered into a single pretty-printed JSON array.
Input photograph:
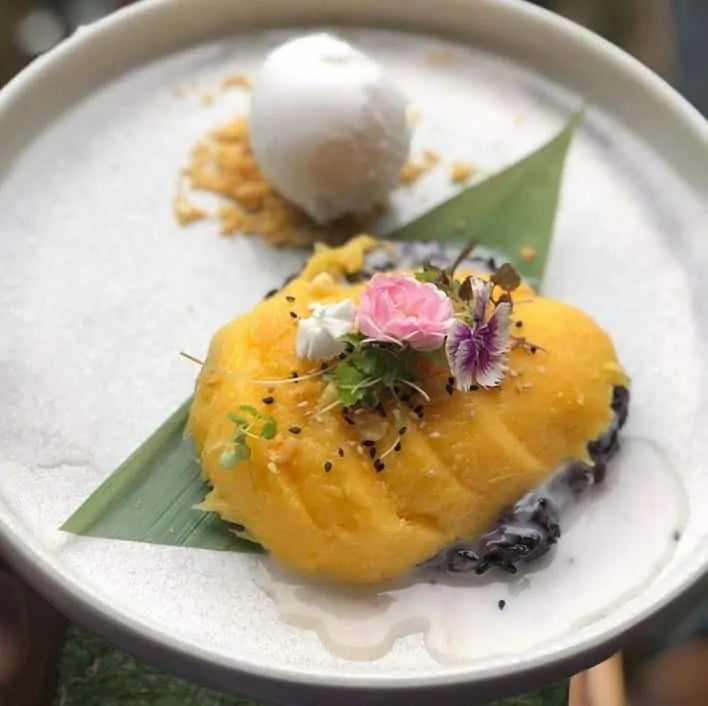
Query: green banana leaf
[
  {"x": 513, "y": 209},
  {"x": 151, "y": 497}
]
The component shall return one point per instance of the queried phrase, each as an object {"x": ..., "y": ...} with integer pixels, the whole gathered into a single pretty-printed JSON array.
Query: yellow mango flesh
[{"x": 472, "y": 455}]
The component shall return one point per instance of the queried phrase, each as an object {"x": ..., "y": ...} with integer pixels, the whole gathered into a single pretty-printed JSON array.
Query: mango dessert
[{"x": 358, "y": 424}]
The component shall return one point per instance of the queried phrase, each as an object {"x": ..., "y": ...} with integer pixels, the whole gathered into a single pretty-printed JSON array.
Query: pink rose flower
[{"x": 397, "y": 308}]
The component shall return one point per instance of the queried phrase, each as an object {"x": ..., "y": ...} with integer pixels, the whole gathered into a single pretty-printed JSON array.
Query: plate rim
[{"x": 227, "y": 672}]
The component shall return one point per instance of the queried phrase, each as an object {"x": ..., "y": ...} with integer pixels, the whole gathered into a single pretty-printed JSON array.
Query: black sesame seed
[
  {"x": 290, "y": 298},
  {"x": 293, "y": 315},
  {"x": 519, "y": 324},
  {"x": 397, "y": 447},
  {"x": 379, "y": 465},
  {"x": 402, "y": 431},
  {"x": 328, "y": 466},
  {"x": 268, "y": 400},
  {"x": 502, "y": 604},
  {"x": 294, "y": 430},
  {"x": 294, "y": 374},
  {"x": 676, "y": 536},
  {"x": 348, "y": 420},
  {"x": 533, "y": 349},
  {"x": 271, "y": 293},
  {"x": 372, "y": 452},
  {"x": 340, "y": 452},
  {"x": 368, "y": 442}
]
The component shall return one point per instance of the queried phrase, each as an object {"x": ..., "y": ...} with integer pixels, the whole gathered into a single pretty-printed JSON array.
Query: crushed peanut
[
  {"x": 461, "y": 172},
  {"x": 430, "y": 156},
  {"x": 236, "y": 81},
  {"x": 185, "y": 211},
  {"x": 411, "y": 172},
  {"x": 527, "y": 253},
  {"x": 224, "y": 164},
  {"x": 415, "y": 168}
]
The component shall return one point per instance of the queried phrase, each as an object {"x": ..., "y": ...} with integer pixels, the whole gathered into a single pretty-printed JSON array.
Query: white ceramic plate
[{"x": 100, "y": 289}]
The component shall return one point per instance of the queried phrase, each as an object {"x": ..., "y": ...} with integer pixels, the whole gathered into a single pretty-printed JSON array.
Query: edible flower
[
  {"x": 399, "y": 309},
  {"x": 319, "y": 336},
  {"x": 476, "y": 352}
]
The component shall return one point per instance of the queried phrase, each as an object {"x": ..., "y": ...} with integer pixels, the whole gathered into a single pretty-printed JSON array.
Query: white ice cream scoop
[{"x": 328, "y": 128}]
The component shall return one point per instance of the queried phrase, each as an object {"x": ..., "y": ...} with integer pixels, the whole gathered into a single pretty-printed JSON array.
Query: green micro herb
[
  {"x": 249, "y": 424},
  {"x": 369, "y": 371}
]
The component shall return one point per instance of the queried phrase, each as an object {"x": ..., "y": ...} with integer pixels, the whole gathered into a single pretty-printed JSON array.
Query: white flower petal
[{"x": 318, "y": 337}]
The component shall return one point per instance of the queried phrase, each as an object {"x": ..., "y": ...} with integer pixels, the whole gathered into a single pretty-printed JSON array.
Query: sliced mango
[{"x": 314, "y": 499}]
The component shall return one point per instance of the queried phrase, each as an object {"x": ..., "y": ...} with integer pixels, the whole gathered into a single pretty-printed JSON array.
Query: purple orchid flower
[{"x": 477, "y": 353}]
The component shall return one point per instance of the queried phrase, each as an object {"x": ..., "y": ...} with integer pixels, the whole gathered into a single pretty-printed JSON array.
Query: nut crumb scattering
[
  {"x": 527, "y": 253},
  {"x": 236, "y": 81},
  {"x": 461, "y": 172},
  {"x": 430, "y": 156},
  {"x": 413, "y": 169},
  {"x": 185, "y": 211},
  {"x": 224, "y": 164}
]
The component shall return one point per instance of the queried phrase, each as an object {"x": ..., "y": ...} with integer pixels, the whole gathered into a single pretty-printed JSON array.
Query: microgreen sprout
[{"x": 250, "y": 423}]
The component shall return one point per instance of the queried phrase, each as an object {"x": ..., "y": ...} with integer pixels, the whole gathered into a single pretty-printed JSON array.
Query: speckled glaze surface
[{"x": 100, "y": 289}]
